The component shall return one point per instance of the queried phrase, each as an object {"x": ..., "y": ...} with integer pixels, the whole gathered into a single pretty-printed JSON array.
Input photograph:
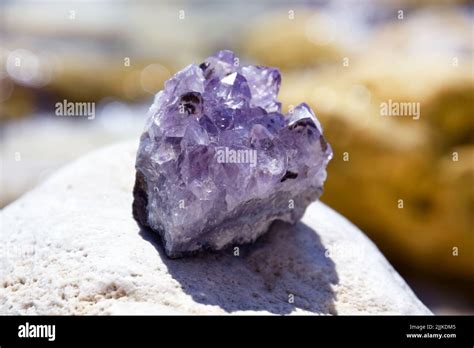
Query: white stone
[{"x": 71, "y": 246}]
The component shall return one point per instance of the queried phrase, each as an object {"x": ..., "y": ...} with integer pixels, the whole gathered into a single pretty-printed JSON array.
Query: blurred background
[{"x": 408, "y": 183}]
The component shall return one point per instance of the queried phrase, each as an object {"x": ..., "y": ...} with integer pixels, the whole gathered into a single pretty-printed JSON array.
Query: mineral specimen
[{"x": 218, "y": 162}]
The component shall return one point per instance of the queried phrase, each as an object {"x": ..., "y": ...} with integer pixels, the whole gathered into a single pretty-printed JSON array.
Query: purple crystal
[{"x": 218, "y": 162}]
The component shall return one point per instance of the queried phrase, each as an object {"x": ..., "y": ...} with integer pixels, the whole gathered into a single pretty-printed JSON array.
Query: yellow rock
[
  {"x": 408, "y": 183},
  {"x": 306, "y": 39}
]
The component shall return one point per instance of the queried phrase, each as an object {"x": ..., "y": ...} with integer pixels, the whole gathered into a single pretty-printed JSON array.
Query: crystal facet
[{"x": 218, "y": 162}]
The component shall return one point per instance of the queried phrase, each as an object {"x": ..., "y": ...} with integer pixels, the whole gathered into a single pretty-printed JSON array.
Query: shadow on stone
[{"x": 287, "y": 263}]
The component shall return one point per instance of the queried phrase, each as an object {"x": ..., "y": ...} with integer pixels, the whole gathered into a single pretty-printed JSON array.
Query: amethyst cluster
[{"x": 218, "y": 162}]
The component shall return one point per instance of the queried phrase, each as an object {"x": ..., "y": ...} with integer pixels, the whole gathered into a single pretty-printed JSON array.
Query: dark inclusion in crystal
[{"x": 218, "y": 162}]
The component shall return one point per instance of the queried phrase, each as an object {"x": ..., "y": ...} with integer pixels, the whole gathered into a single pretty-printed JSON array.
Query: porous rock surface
[{"x": 71, "y": 246}]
